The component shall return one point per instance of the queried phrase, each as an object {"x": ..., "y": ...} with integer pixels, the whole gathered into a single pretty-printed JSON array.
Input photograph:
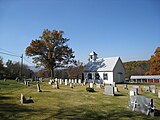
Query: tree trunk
[{"x": 52, "y": 73}]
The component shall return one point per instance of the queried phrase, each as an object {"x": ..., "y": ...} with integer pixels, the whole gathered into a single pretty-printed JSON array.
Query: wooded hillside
[{"x": 136, "y": 68}]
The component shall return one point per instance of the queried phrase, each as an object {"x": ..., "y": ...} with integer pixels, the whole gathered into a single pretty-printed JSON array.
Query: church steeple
[{"x": 92, "y": 56}]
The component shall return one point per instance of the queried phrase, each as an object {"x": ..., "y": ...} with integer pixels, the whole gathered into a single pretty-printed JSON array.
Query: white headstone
[
  {"x": 71, "y": 85},
  {"x": 22, "y": 99},
  {"x": 72, "y": 80},
  {"x": 69, "y": 80},
  {"x": 79, "y": 81},
  {"x": 91, "y": 85},
  {"x": 60, "y": 81},
  {"x": 115, "y": 89},
  {"x": 75, "y": 81},
  {"x": 132, "y": 93},
  {"x": 66, "y": 82},
  {"x": 38, "y": 88},
  {"x": 158, "y": 93}
]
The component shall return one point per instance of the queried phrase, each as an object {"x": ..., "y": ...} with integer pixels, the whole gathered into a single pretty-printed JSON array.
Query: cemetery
[{"x": 40, "y": 100}]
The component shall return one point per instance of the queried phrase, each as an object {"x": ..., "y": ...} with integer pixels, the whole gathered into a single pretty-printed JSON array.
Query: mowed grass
[{"x": 67, "y": 103}]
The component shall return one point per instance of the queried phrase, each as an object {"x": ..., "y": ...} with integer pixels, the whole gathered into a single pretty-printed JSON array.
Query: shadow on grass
[
  {"x": 5, "y": 98},
  {"x": 119, "y": 95},
  {"x": 16, "y": 111},
  {"x": 78, "y": 113}
]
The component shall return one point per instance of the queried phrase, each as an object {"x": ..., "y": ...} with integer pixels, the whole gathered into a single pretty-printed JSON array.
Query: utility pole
[{"x": 21, "y": 67}]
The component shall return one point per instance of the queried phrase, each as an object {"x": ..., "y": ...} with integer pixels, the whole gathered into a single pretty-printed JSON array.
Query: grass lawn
[{"x": 67, "y": 103}]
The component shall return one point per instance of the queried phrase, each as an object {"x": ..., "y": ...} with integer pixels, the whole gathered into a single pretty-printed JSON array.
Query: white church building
[{"x": 104, "y": 70}]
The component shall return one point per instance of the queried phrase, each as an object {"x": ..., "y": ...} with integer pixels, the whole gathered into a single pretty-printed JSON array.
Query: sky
[{"x": 129, "y": 29}]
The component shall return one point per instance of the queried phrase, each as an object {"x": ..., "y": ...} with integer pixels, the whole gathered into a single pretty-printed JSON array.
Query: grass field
[{"x": 67, "y": 103}]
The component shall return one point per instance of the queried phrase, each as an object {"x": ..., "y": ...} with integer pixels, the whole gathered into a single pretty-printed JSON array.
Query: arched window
[
  {"x": 89, "y": 76},
  {"x": 97, "y": 76},
  {"x": 105, "y": 76}
]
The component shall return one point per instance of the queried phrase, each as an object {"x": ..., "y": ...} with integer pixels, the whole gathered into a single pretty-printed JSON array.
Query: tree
[
  {"x": 154, "y": 63},
  {"x": 1, "y": 68},
  {"x": 12, "y": 70},
  {"x": 50, "y": 50},
  {"x": 136, "y": 68}
]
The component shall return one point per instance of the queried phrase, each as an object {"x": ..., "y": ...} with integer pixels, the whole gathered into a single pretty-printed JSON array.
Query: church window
[{"x": 105, "y": 76}]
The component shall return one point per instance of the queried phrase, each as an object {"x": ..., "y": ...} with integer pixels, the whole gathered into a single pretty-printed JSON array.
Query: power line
[
  {"x": 10, "y": 54},
  {"x": 6, "y": 51},
  {"x": 28, "y": 61}
]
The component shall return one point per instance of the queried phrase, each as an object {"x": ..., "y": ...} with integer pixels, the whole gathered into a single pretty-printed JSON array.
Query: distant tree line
[
  {"x": 71, "y": 72},
  {"x": 11, "y": 70},
  {"x": 145, "y": 67}
]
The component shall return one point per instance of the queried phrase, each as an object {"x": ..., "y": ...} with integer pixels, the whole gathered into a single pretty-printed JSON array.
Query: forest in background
[{"x": 145, "y": 67}]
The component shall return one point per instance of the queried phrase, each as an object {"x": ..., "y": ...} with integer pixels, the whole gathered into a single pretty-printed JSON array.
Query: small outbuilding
[
  {"x": 145, "y": 78},
  {"x": 104, "y": 70}
]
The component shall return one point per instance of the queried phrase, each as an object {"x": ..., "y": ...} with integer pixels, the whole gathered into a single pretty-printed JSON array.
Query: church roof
[{"x": 101, "y": 64}]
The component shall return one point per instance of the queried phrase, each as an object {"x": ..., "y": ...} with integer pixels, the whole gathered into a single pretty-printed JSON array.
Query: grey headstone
[
  {"x": 109, "y": 90},
  {"x": 141, "y": 104},
  {"x": 114, "y": 84},
  {"x": 153, "y": 88}
]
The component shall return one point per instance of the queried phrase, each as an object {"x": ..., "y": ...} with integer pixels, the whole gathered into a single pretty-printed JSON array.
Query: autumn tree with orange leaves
[
  {"x": 154, "y": 63},
  {"x": 50, "y": 50}
]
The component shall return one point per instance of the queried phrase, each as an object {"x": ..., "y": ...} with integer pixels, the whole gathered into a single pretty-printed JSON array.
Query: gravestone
[
  {"x": 147, "y": 88},
  {"x": 91, "y": 85},
  {"x": 132, "y": 93},
  {"x": 38, "y": 88},
  {"x": 69, "y": 80},
  {"x": 109, "y": 90},
  {"x": 114, "y": 84},
  {"x": 23, "y": 99},
  {"x": 125, "y": 87},
  {"x": 153, "y": 88},
  {"x": 56, "y": 85},
  {"x": 51, "y": 82},
  {"x": 79, "y": 81},
  {"x": 71, "y": 85},
  {"x": 27, "y": 83},
  {"x": 60, "y": 81},
  {"x": 141, "y": 104},
  {"x": 66, "y": 82},
  {"x": 72, "y": 80},
  {"x": 75, "y": 81},
  {"x": 135, "y": 89},
  {"x": 158, "y": 93},
  {"x": 115, "y": 89}
]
